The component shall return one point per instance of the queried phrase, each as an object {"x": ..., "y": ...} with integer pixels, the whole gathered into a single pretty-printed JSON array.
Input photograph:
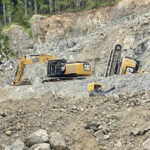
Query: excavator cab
[
  {"x": 97, "y": 87},
  {"x": 56, "y": 68},
  {"x": 129, "y": 65},
  {"x": 62, "y": 68}
]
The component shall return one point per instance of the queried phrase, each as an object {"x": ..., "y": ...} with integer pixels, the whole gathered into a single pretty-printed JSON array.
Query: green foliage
[
  {"x": 99, "y": 3},
  {"x": 43, "y": 6},
  {"x": 10, "y": 8},
  {"x": 1, "y": 27},
  {"x": 5, "y": 51},
  {"x": 16, "y": 8},
  {"x": 24, "y": 22},
  {"x": 21, "y": 18}
]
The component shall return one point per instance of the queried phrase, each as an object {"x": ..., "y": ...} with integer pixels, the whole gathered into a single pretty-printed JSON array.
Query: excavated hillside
[
  {"x": 119, "y": 120},
  {"x": 86, "y": 36}
]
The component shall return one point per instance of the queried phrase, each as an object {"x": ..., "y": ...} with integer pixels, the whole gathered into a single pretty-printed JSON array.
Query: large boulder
[
  {"x": 146, "y": 144},
  {"x": 42, "y": 146},
  {"x": 57, "y": 141},
  {"x": 37, "y": 137},
  {"x": 18, "y": 145}
]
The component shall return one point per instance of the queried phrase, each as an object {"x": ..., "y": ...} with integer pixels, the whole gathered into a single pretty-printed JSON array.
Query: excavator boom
[{"x": 30, "y": 59}]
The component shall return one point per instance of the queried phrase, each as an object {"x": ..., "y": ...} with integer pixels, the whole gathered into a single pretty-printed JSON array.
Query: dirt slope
[{"x": 87, "y": 124}]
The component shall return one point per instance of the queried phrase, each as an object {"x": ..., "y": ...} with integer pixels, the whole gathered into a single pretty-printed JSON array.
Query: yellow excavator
[
  {"x": 118, "y": 65},
  {"x": 56, "y": 68}
]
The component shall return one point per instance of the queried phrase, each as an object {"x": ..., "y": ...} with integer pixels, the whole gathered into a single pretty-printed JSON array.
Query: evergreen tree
[
  {"x": 9, "y": 9},
  {"x": 13, "y": 10}
]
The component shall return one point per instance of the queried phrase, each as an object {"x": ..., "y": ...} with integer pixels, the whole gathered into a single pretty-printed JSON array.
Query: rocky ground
[
  {"x": 61, "y": 115},
  {"x": 76, "y": 89},
  {"x": 116, "y": 122}
]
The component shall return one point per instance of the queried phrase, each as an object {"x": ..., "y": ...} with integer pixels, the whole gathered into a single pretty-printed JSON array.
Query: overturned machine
[{"x": 118, "y": 65}]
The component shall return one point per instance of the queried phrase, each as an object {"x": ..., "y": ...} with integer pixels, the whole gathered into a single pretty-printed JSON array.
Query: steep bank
[{"x": 88, "y": 35}]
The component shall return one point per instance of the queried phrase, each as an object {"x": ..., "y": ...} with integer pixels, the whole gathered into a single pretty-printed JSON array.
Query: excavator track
[
  {"x": 113, "y": 66},
  {"x": 54, "y": 79}
]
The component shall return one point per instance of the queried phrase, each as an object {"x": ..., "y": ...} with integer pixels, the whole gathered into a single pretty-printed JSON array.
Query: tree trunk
[
  {"x": 4, "y": 13},
  {"x": 26, "y": 7},
  {"x": 50, "y": 6},
  {"x": 78, "y": 3},
  {"x": 9, "y": 17},
  {"x": 35, "y": 6},
  {"x": 57, "y": 5}
]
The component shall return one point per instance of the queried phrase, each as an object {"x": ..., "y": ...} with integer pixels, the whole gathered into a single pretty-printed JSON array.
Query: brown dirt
[{"x": 117, "y": 118}]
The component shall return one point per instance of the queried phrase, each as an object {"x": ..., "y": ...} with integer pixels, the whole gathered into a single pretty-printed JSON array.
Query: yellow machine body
[
  {"x": 95, "y": 87},
  {"x": 128, "y": 66},
  {"x": 118, "y": 65},
  {"x": 55, "y": 68},
  {"x": 78, "y": 68}
]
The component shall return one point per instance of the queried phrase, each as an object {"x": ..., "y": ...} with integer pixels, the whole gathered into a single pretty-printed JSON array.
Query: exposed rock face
[
  {"x": 89, "y": 36},
  {"x": 20, "y": 40}
]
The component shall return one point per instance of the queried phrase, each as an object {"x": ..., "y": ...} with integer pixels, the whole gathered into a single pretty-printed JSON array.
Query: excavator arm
[{"x": 25, "y": 61}]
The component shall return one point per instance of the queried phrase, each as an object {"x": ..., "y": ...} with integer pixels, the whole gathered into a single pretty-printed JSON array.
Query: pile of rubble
[
  {"x": 39, "y": 140},
  {"x": 120, "y": 121},
  {"x": 75, "y": 89}
]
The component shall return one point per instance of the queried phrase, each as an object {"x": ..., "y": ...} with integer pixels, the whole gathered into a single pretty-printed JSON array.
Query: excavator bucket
[{"x": 114, "y": 62}]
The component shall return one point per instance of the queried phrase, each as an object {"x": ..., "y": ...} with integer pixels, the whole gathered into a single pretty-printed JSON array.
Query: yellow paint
[
  {"x": 80, "y": 69},
  {"x": 25, "y": 61},
  {"x": 127, "y": 62},
  {"x": 91, "y": 86}
]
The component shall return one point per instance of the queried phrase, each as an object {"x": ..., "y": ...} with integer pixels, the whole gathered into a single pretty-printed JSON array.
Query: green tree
[
  {"x": 9, "y": 9},
  {"x": 5, "y": 51}
]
